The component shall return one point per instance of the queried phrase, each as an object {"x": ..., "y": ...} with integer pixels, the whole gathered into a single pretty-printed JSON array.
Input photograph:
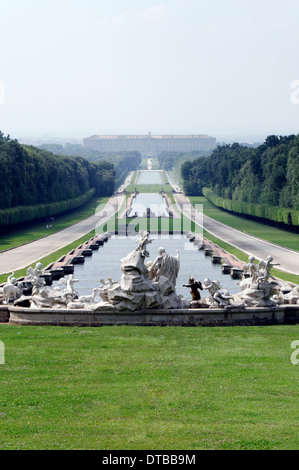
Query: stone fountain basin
[{"x": 286, "y": 314}]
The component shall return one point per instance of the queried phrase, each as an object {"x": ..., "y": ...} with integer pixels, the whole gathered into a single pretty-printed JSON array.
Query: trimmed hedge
[
  {"x": 274, "y": 213},
  {"x": 20, "y": 214}
]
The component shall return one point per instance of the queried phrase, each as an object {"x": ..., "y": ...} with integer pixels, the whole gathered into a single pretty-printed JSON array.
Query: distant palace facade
[{"x": 150, "y": 145}]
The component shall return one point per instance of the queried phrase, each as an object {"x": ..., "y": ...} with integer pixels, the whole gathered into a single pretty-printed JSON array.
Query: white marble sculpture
[
  {"x": 264, "y": 277},
  {"x": 143, "y": 241},
  {"x": 11, "y": 290},
  {"x": 105, "y": 287},
  {"x": 288, "y": 298},
  {"x": 219, "y": 297},
  {"x": 91, "y": 299},
  {"x": 142, "y": 286},
  {"x": 35, "y": 276},
  {"x": 165, "y": 265},
  {"x": 70, "y": 291},
  {"x": 151, "y": 285},
  {"x": 47, "y": 297},
  {"x": 252, "y": 269},
  {"x": 258, "y": 290},
  {"x": 135, "y": 290}
]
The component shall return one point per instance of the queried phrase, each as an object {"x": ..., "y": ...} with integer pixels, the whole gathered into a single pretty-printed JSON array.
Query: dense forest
[
  {"x": 168, "y": 160},
  {"x": 32, "y": 176},
  {"x": 173, "y": 161},
  {"x": 268, "y": 174},
  {"x": 123, "y": 161}
]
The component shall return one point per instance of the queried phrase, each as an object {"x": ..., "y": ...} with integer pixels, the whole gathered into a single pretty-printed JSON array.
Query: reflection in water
[
  {"x": 105, "y": 263},
  {"x": 150, "y": 177},
  {"x": 153, "y": 201}
]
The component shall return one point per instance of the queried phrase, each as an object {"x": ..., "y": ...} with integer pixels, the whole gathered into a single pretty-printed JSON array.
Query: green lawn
[
  {"x": 55, "y": 256},
  {"x": 257, "y": 229},
  {"x": 134, "y": 388},
  {"x": 39, "y": 230},
  {"x": 149, "y": 188}
]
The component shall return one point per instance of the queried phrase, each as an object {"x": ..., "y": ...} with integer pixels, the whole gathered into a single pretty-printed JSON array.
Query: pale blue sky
[{"x": 82, "y": 67}]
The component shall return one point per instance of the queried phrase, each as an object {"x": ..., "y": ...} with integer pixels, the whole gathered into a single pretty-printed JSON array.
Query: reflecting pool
[
  {"x": 105, "y": 263},
  {"x": 150, "y": 177},
  {"x": 154, "y": 201}
]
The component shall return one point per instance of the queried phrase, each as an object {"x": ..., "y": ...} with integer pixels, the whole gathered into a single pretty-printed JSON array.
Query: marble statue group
[{"x": 150, "y": 284}]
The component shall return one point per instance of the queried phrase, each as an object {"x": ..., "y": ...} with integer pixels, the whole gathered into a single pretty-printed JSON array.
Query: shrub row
[
  {"x": 262, "y": 211},
  {"x": 20, "y": 214}
]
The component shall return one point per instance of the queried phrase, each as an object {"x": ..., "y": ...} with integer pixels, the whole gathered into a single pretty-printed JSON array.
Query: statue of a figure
[
  {"x": 105, "y": 288},
  {"x": 89, "y": 298},
  {"x": 151, "y": 270},
  {"x": 194, "y": 286},
  {"x": 143, "y": 241},
  {"x": 11, "y": 291},
  {"x": 252, "y": 269},
  {"x": 69, "y": 291},
  {"x": 166, "y": 265},
  {"x": 268, "y": 265},
  {"x": 35, "y": 277},
  {"x": 218, "y": 296}
]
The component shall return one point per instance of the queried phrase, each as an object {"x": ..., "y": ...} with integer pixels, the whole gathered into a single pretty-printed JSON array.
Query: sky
[{"x": 74, "y": 68}]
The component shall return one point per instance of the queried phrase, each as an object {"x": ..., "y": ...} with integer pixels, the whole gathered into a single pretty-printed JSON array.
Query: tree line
[
  {"x": 168, "y": 160},
  {"x": 123, "y": 161},
  {"x": 267, "y": 174},
  {"x": 31, "y": 175}
]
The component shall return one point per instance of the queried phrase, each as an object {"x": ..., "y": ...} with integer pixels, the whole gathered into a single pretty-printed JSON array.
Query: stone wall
[
  {"x": 4, "y": 314},
  {"x": 155, "y": 317}
]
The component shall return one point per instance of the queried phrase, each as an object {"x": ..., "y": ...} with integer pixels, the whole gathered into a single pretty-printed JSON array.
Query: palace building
[{"x": 150, "y": 145}]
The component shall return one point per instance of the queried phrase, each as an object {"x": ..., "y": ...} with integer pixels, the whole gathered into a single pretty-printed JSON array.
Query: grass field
[
  {"x": 39, "y": 230},
  {"x": 208, "y": 209},
  {"x": 134, "y": 388},
  {"x": 257, "y": 229},
  {"x": 149, "y": 188},
  {"x": 55, "y": 256}
]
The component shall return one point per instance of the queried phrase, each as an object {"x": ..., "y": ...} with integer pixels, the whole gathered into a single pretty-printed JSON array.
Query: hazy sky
[{"x": 83, "y": 67}]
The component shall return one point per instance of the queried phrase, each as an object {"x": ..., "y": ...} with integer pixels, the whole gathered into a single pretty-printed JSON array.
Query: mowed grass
[
  {"x": 55, "y": 256},
  {"x": 35, "y": 231},
  {"x": 149, "y": 188},
  {"x": 134, "y": 388},
  {"x": 256, "y": 229},
  {"x": 261, "y": 231}
]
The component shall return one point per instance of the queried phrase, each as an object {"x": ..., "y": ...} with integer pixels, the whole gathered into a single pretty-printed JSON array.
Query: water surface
[
  {"x": 154, "y": 201},
  {"x": 150, "y": 177},
  {"x": 105, "y": 263}
]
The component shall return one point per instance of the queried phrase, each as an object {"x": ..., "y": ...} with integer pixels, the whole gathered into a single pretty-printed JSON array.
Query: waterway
[
  {"x": 150, "y": 177},
  {"x": 153, "y": 201},
  {"x": 105, "y": 263}
]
